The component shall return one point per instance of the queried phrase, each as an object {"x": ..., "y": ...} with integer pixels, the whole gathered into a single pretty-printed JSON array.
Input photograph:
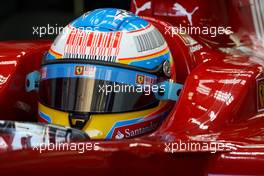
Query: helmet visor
[{"x": 95, "y": 88}]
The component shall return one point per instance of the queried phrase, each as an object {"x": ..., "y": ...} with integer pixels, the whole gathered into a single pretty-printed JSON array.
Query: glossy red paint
[
  {"x": 17, "y": 59},
  {"x": 217, "y": 104}
]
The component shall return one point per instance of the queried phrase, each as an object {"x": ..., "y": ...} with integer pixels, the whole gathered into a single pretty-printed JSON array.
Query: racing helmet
[{"x": 107, "y": 73}]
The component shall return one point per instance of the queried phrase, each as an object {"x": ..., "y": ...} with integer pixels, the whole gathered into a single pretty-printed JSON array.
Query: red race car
[{"x": 214, "y": 126}]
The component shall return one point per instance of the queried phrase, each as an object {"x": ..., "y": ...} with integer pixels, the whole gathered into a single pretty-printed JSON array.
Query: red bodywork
[{"x": 219, "y": 102}]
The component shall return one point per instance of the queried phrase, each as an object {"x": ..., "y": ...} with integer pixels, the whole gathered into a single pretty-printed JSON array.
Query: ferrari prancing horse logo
[
  {"x": 79, "y": 70},
  {"x": 140, "y": 79}
]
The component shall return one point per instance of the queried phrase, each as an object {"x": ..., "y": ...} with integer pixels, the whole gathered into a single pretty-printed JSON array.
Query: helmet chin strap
[{"x": 169, "y": 91}]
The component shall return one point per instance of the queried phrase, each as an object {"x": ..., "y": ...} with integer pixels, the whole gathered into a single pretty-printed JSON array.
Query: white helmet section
[{"x": 117, "y": 46}]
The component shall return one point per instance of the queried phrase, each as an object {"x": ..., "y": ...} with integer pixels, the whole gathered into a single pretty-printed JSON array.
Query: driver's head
[{"x": 103, "y": 74}]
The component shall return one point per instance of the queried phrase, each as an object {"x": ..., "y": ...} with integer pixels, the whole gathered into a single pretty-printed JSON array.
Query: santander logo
[{"x": 119, "y": 135}]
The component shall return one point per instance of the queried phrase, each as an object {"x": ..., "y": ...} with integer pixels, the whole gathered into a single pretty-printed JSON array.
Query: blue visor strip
[{"x": 98, "y": 72}]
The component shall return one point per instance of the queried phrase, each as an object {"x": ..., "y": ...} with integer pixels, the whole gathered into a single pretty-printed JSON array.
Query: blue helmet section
[{"x": 109, "y": 19}]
